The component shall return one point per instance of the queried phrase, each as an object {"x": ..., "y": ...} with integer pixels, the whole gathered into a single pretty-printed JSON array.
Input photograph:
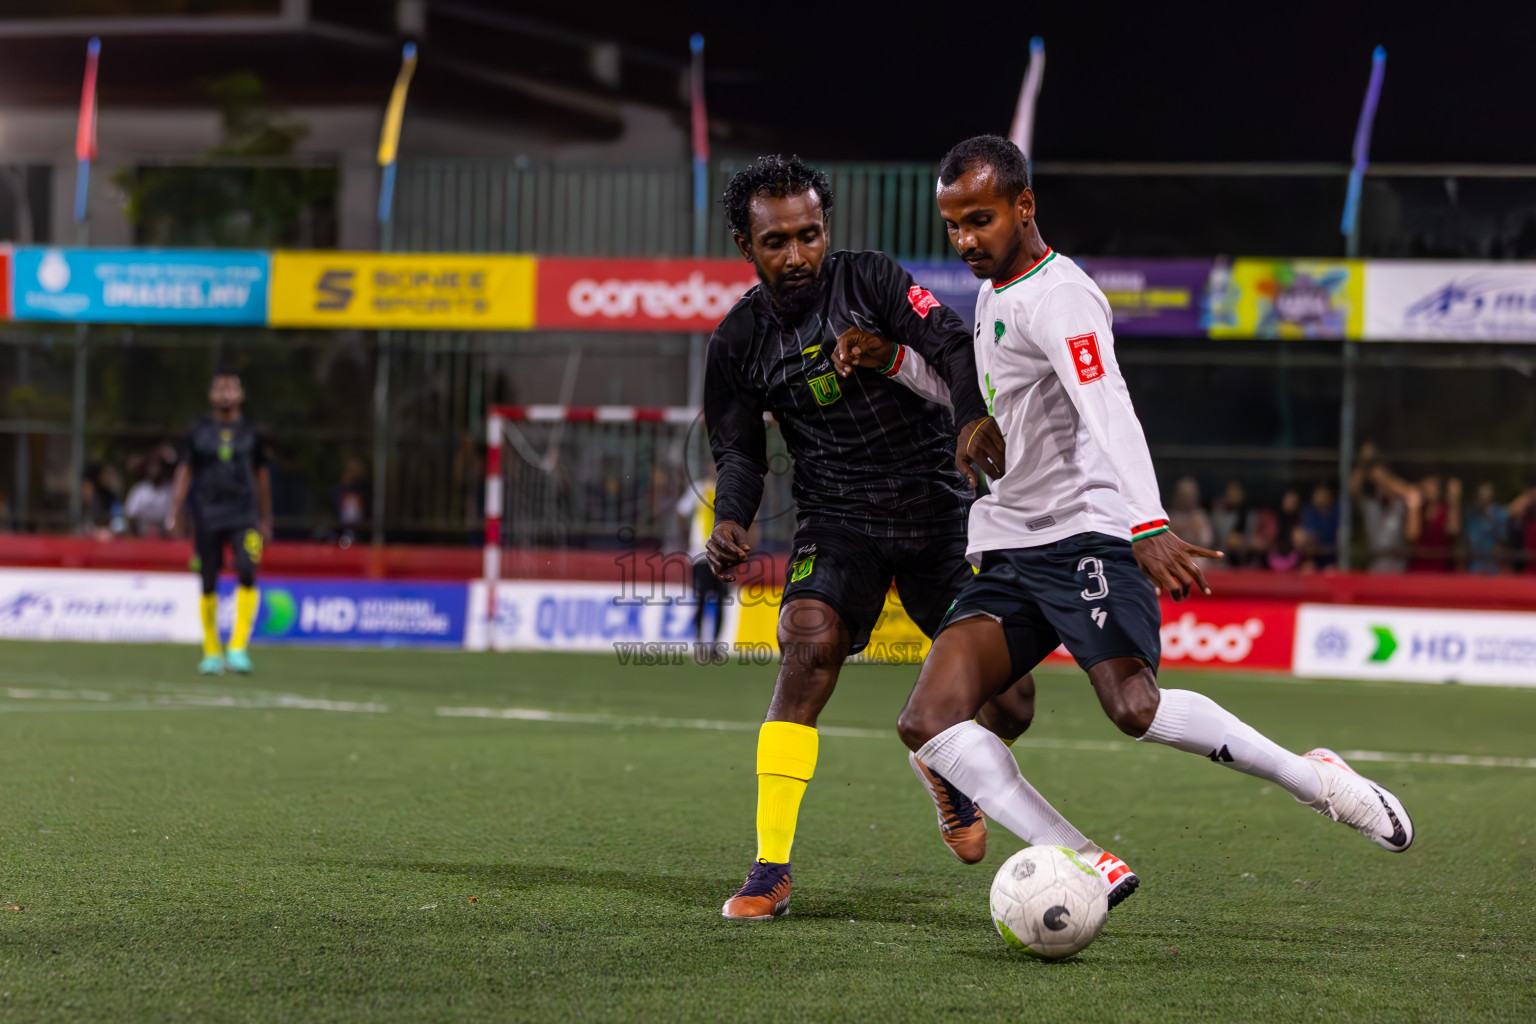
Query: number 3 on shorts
[{"x": 1095, "y": 569}]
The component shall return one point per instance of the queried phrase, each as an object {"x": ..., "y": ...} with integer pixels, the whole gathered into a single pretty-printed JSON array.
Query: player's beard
[{"x": 797, "y": 303}]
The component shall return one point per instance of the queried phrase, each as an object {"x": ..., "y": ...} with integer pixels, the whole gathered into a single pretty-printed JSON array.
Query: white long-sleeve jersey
[{"x": 1077, "y": 460}]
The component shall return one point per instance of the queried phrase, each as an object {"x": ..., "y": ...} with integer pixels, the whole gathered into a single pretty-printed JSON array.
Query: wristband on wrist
[
  {"x": 1152, "y": 529},
  {"x": 890, "y": 368}
]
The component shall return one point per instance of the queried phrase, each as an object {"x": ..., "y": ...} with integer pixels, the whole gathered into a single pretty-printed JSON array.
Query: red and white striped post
[{"x": 497, "y": 417}]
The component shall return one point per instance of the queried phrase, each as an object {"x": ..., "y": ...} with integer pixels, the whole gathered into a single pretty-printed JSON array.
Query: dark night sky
[{"x": 1271, "y": 81}]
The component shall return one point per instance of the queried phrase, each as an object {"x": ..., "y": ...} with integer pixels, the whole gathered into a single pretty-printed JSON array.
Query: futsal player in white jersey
[{"x": 1073, "y": 542}]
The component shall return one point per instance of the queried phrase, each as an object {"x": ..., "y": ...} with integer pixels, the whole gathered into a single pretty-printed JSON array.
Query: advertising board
[
  {"x": 639, "y": 295},
  {"x": 66, "y": 604},
  {"x": 422, "y": 291},
  {"x": 359, "y": 613},
  {"x": 1445, "y": 300},
  {"x": 140, "y": 286},
  {"x": 1415, "y": 645}
]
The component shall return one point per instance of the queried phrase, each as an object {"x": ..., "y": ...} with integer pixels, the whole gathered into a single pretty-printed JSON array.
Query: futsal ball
[{"x": 1049, "y": 902}]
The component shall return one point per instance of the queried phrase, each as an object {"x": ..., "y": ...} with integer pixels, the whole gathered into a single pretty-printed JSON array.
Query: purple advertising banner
[{"x": 1149, "y": 297}]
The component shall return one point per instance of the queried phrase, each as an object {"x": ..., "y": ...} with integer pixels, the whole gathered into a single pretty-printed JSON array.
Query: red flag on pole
[{"x": 85, "y": 131}]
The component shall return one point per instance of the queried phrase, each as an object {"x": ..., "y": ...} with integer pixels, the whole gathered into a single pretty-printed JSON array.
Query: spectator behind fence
[
  {"x": 1232, "y": 525},
  {"x": 1187, "y": 519},
  {"x": 1439, "y": 525},
  {"x": 1320, "y": 529},
  {"x": 1283, "y": 552},
  {"x": 1522, "y": 513},
  {"x": 349, "y": 500},
  {"x": 101, "y": 507},
  {"x": 1487, "y": 530},
  {"x": 1389, "y": 510},
  {"x": 149, "y": 500}
]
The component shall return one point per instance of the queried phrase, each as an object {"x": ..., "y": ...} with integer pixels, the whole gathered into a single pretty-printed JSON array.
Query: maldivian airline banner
[
  {"x": 1148, "y": 297},
  {"x": 1260, "y": 298},
  {"x": 1415, "y": 645},
  {"x": 1444, "y": 300},
  {"x": 420, "y": 291},
  {"x": 67, "y": 604},
  {"x": 639, "y": 295},
  {"x": 140, "y": 286}
]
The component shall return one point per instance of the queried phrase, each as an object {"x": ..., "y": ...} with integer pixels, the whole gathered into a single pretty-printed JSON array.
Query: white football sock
[
  {"x": 983, "y": 768},
  {"x": 1194, "y": 723}
]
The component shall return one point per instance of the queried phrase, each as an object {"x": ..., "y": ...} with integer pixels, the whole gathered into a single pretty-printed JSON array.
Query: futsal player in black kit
[
  {"x": 222, "y": 480},
  {"x": 883, "y": 477}
]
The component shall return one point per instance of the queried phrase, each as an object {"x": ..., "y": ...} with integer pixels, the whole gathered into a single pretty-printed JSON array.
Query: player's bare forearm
[
  {"x": 181, "y": 483},
  {"x": 264, "y": 500},
  {"x": 1169, "y": 562}
]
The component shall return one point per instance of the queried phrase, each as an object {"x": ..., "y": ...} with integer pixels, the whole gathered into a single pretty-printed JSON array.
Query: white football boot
[{"x": 1360, "y": 803}]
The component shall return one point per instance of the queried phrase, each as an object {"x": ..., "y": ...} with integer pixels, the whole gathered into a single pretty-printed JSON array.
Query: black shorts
[
  {"x": 1086, "y": 592},
  {"x": 852, "y": 571},
  {"x": 209, "y": 544}
]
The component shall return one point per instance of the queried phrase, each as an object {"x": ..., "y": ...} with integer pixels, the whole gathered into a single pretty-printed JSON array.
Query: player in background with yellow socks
[{"x": 222, "y": 481}]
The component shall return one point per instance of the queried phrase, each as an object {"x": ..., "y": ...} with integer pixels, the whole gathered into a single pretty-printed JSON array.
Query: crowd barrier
[
  {"x": 1394, "y": 300},
  {"x": 1315, "y": 639}
]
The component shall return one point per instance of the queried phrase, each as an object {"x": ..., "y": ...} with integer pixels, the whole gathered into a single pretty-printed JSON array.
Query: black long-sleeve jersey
[{"x": 867, "y": 451}]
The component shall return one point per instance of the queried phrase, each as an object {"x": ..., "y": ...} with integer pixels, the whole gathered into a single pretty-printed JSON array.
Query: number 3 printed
[{"x": 1095, "y": 569}]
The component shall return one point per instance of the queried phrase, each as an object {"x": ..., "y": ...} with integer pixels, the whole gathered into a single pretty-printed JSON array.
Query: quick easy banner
[
  {"x": 383, "y": 613},
  {"x": 1260, "y": 298},
  {"x": 1415, "y": 645},
  {"x": 593, "y": 617},
  {"x": 639, "y": 295},
  {"x": 1148, "y": 297},
  {"x": 1444, "y": 300},
  {"x": 425, "y": 291},
  {"x": 140, "y": 286}
]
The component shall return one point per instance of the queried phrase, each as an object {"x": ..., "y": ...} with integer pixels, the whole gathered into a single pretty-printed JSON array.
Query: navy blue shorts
[
  {"x": 852, "y": 572},
  {"x": 1086, "y": 592}
]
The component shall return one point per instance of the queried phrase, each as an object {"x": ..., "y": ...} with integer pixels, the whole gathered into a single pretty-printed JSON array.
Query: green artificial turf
[{"x": 205, "y": 850}]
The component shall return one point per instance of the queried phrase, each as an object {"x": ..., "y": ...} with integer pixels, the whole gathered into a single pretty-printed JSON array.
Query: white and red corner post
[{"x": 491, "y": 567}]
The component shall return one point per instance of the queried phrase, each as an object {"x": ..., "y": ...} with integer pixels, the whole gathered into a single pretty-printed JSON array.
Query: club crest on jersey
[
  {"x": 997, "y": 331},
  {"x": 922, "y": 300},
  {"x": 1085, "y": 356},
  {"x": 826, "y": 389}
]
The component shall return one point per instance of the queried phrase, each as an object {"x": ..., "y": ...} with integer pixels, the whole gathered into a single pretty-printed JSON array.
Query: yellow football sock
[
  {"x": 210, "y": 606},
  {"x": 786, "y": 760},
  {"x": 247, "y": 600}
]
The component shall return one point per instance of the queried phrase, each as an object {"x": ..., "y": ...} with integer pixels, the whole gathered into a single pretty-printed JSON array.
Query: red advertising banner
[
  {"x": 1211, "y": 632},
  {"x": 639, "y": 295}
]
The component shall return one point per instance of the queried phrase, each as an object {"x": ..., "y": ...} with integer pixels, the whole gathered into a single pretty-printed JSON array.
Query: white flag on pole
[{"x": 1024, "y": 117}]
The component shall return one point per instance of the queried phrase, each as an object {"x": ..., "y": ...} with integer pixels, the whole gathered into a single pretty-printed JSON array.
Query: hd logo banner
[
  {"x": 425, "y": 291},
  {"x": 140, "y": 286}
]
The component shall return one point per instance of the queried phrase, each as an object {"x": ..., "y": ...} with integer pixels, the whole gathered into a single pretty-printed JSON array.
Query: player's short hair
[
  {"x": 224, "y": 370},
  {"x": 1008, "y": 165},
  {"x": 776, "y": 177}
]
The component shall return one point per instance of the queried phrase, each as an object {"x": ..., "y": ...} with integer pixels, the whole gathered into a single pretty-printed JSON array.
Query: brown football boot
[
  {"x": 763, "y": 897},
  {"x": 961, "y": 822}
]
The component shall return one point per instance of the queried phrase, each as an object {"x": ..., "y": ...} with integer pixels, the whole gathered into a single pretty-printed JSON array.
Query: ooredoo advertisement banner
[
  {"x": 1445, "y": 300},
  {"x": 1415, "y": 645},
  {"x": 639, "y": 295},
  {"x": 1218, "y": 633}
]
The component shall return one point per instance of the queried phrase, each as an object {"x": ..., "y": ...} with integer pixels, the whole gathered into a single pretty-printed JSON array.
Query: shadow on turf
[{"x": 892, "y": 903}]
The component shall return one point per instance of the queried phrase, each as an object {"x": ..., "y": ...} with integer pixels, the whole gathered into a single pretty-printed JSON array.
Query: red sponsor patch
[
  {"x": 922, "y": 300},
  {"x": 1085, "y": 356}
]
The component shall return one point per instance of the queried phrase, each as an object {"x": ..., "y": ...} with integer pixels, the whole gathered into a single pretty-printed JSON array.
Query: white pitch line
[
  {"x": 95, "y": 699},
  {"x": 1041, "y": 743}
]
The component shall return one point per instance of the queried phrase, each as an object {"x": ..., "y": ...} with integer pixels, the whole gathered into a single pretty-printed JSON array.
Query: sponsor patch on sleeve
[
  {"x": 922, "y": 300},
  {"x": 1085, "y": 356}
]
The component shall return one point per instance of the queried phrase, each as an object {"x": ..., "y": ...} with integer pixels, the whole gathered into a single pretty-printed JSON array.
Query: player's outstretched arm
[{"x": 1169, "y": 562}]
